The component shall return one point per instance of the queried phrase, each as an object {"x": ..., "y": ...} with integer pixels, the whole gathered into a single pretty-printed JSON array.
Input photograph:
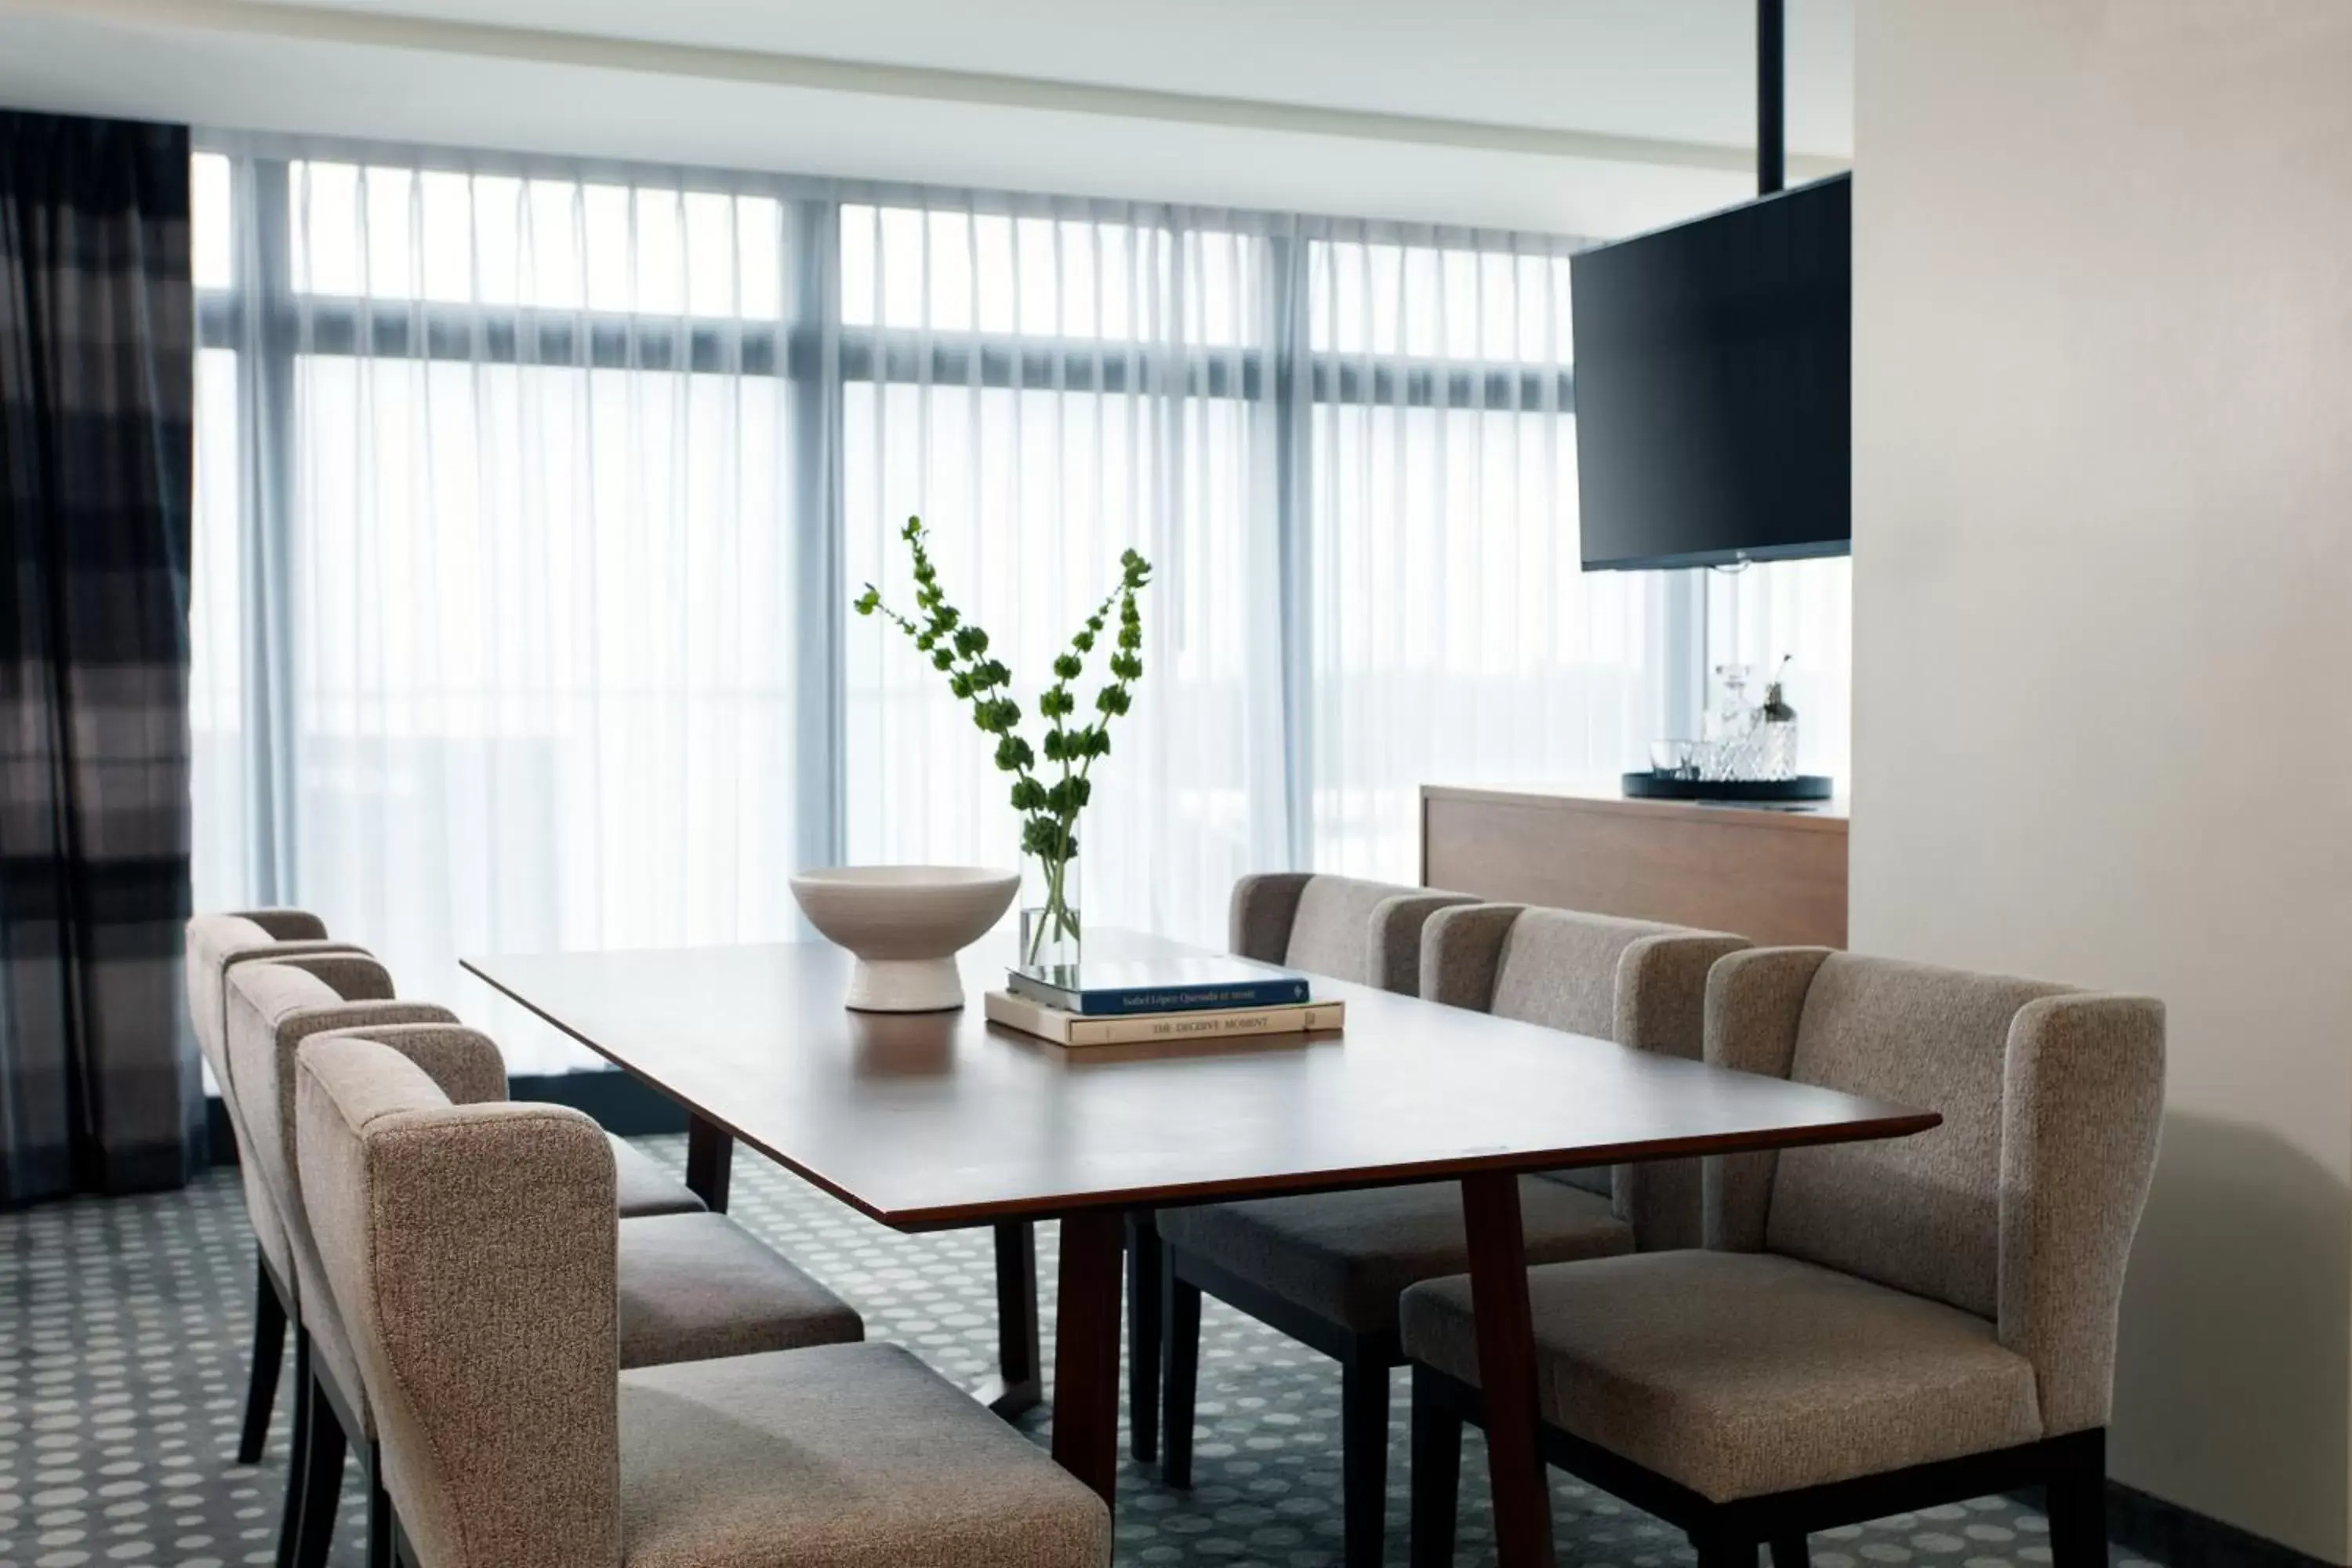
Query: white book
[{"x": 1135, "y": 1028}]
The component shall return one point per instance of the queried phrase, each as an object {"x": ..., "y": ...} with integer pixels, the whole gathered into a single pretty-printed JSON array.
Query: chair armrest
[
  {"x": 1462, "y": 951},
  {"x": 1264, "y": 907},
  {"x": 353, "y": 976},
  {"x": 464, "y": 1064},
  {"x": 286, "y": 925},
  {"x": 2082, "y": 1100},
  {"x": 1393, "y": 959},
  {"x": 1754, "y": 1001},
  {"x": 1661, "y": 1007},
  {"x": 1662, "y": 991}
]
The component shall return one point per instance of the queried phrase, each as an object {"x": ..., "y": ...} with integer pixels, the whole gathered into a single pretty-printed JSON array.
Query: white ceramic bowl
[{"x": 906, "y": 925}]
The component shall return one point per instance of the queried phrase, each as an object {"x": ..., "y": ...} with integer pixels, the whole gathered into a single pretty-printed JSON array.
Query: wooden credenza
[{"x": 1775, "y": 875}]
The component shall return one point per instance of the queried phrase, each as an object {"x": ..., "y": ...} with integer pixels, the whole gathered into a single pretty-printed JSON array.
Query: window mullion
[
  {"x": 265, "y": 309},
  {"x": 813, "y": 362},
  {"x": 1291, "y": 351}
]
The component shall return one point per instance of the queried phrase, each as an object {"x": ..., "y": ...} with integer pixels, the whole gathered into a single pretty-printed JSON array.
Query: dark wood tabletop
[{"x": 938, "y": 1120}]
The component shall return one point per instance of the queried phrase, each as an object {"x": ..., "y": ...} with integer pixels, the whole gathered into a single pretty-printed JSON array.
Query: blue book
[{"x": 1109, "y": 988}]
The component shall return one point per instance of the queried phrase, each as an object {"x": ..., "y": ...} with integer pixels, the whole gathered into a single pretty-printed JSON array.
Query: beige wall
[{"x": 2103, "y": 595}]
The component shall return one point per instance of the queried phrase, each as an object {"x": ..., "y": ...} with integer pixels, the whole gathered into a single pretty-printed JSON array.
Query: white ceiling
[
  {"x": 1679, "y": 69},
  {"x": 1590, "y": 116}
]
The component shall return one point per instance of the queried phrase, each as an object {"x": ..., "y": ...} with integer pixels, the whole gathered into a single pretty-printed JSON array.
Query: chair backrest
[
  {"x": 274, "y": 1005},
  {"x": 216, "y": 941},
  {"x": 471, "y": 1252},
  {"x": 1638, "y": 982},
  {"x": 1366, "y": 932},
  {"x": 2019, "y": 1208}
]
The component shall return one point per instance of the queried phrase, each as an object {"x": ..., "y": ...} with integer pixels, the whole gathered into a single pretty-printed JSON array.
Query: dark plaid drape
[{"x": 98, "y": 1083}]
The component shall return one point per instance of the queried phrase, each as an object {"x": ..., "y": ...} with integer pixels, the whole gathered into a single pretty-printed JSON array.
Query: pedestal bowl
[{"x": 905, "y": 924}]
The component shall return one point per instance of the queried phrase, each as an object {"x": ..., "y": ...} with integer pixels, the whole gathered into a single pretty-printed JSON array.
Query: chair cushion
[
  {"x": 1741, "y": 1374},
  {"x": 845, "y": 1457},
  {"x": 1345, "y": 1256},
  {"x": 640, "y": 1186},
  {"x": 697, "y": 1286}
]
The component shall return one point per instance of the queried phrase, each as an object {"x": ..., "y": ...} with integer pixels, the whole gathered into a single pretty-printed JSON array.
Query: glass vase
[{"x": 1050, "y": 929}]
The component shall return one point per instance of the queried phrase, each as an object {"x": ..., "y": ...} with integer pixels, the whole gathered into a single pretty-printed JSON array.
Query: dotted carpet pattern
[{"x": 124, "y": 1325}]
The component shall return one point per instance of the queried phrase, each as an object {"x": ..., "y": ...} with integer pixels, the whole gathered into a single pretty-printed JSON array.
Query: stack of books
[{"x": 1117, "y": 1004}]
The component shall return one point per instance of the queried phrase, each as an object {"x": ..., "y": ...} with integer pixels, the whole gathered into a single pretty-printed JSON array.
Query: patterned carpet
[{"x": 123, "y": 1328}]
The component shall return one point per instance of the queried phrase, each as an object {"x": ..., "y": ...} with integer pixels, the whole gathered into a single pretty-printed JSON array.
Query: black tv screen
[{"x": 1714, "y": 386}]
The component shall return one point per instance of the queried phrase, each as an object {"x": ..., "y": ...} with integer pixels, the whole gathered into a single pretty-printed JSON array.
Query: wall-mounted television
[{"x": 1714, "y": 386}]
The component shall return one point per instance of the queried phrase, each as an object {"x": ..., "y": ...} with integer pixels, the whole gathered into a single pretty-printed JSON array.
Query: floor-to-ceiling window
[
  {"x": 1455, "y": 638},
  {"x": 532, "y": 496},
  {"x": 1049, "y": 384}
]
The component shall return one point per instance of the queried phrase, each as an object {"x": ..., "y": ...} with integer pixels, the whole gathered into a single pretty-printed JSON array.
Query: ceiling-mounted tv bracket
[{"x": 1770, "y": 85}]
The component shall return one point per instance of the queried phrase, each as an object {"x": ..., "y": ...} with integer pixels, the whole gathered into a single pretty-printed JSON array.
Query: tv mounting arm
[{"x": 1770, "y": 70}]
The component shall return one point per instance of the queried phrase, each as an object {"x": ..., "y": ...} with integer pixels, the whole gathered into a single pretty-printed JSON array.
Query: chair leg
[
  {"x": 1790, "y": 1552},
  {"x": 289, "y": 1526},
  {"x": 1436, "y": 1476},
  {"x": 1181, "y": 1323},
  {"x": 1364, "y": 1461},
  {"x": 269, "y": 1351},
  {"x": 381, "y": 1536},
  {"x": 323, "y": 1479},
  {"x": 1144, "y": 1267},
  {"x": 1719, "y": 1550},
  {"x": 2078, "y": 1503}
]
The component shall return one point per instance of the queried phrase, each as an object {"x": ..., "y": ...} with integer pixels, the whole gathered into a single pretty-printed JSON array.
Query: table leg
[
  {"x": 1086, "y": 1348},
  {"x": 1144, "y": 1266},
  {"x": 710, "y": 1155},
  {"x": 1507, "y": 1369},
  {"x": 1016, "y": 1387}
]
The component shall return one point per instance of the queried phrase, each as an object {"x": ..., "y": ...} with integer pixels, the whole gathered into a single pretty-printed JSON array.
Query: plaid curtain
[{"x": 99, "y": 1084}]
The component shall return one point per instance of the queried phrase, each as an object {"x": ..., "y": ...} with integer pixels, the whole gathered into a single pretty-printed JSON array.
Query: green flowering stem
[{"x": 959, "y": 649}]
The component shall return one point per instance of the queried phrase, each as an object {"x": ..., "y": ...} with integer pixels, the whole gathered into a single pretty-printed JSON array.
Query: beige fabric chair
[
  {"x": 698, "y": 1285},
  {"x": 474, "y": 1250},
  {"x": 217, "y": 942},
  {"x": 1366, "y": 932},
  {"x": 1328, "y": 1268},
  {"x": 270, "y": 1006},
  {"x": 1873, "y": 1327}
]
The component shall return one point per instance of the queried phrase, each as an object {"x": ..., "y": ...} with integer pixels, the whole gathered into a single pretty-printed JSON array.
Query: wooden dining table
[{"x": 939, "y": 1120}]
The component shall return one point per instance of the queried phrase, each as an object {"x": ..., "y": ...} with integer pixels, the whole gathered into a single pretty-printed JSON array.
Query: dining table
[{"x": 938, "y": 1120}]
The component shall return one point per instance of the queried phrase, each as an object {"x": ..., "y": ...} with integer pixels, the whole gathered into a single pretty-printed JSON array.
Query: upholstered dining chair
[
  {"x": 472, "y": 1249},
  {"x": 1367, "y": 932},
  {"x": 1326, "y": 1268},
  {"x": 694, "y": 1285},
  {"x": 1870, "y": 1328},
  {"x": 1341, "y": 927},
  {"x": 215, "y": 943}
]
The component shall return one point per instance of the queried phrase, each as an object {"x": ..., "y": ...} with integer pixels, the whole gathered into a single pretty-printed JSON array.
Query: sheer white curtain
[
  {"x": 1048, "y": 384},
  {"x": 1351, "y": 449},
  {"x": 1455, "y": 637},
  {"x": 496, "y": 634},
  {"x": 533, "y": 496}
]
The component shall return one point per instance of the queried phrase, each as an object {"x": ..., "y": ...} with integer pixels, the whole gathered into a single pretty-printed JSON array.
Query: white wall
[{"x": 2103, "y": 584}]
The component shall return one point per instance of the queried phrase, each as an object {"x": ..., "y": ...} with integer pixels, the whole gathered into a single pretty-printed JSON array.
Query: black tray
[{"x": 1664, "y": 786}]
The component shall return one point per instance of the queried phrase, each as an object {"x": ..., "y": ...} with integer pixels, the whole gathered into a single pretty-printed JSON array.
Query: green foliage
[{"x": 1049, "y": 810}]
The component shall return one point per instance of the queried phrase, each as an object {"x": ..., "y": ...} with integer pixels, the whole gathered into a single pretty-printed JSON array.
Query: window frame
[{"x": 261, "y": 318}]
